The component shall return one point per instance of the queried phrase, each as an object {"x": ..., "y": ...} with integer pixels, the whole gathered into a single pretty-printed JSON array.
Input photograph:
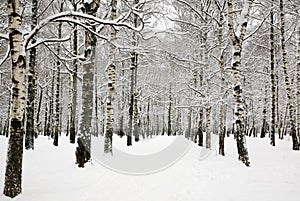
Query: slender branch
[
  {"x": 49, "y": 40},
  {"x": 4, "y": 36},
  {"x": 6, "y": 55}
]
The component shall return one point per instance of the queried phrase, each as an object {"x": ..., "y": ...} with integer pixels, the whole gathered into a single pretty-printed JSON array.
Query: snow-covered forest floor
[{"x": 50, "y": 173}]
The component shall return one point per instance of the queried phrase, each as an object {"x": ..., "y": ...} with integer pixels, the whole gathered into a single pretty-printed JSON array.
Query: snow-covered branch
[
  {"x": 6, "y": 56},
  {"x": 69, "y": 17},
  {"x": 49, "y": 40},
  {"x": 4, "y": 36}
]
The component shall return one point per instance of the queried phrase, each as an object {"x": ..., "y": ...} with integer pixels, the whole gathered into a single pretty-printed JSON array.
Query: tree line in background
[{"x": 140, "y": 68}]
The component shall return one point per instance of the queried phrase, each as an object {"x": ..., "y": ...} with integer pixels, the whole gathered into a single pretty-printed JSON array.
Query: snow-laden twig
[{"x": 48, "y": 40}]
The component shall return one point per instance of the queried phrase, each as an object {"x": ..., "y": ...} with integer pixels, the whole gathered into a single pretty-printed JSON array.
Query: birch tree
[
  {"x": 298, "y": 81},
  {"x": 13, "y": 172},
  {"x": 222, "y": 132},
  {"x": 272, "y": 73},
  {"x": 133, "y": 110},
  {"x": 111, "y": 73},
  {"x": 289, "y": 94},
  {"x": 74, "y": 82},
  {"x": 237, "y": 39},
  {"x": 57, "y": 112},
  {"x": 83, "y": 150},
  {"x": 31, "y": 91},
  {"x": 208, "y": 117}
]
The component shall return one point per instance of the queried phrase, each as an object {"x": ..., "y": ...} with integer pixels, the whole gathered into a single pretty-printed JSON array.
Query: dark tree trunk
[
  {"x": 200, "y": 128},
  {"x": 31, "y": 91},
  {"x": 46, "y": 120},
  {"x": 39, "y": 127},
  {"x": 169, "y": 114},
  {"x": 83, "y": 150},
  {"x": 148, "y": 120},
  {"x": 74, "y": 90},
  {"x": 1, "y": 126},
  {"x": 272, "y": 66},
  {"x": 57, "y": 115}
]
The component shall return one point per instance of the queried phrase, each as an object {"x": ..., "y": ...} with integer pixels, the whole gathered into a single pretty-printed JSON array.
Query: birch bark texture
[
  {"x": 298, "y": 82},
  {"x": 31, "y": 90},
  {"x": 273, "y": 85},
  {"x": 222, "y": 87},
  {"x": 237, "y": 39},
  {"x": 83, "y": 150},
  {"x": 111, "y": 73},
  {"x": 289, "y": 92},
  {"x": 133, "y": 111},
  {"x": 13, "y": 172}
]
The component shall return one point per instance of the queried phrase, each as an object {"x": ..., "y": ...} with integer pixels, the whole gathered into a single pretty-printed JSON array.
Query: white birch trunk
[
  {"x": 289, "y": 94},
  {"x": 13, "y": 171},
  {"x": 237, "y": 41},
  {"x": 222, "y": 72},
  {"x": 111, "y": 73},
  {"x": 208, "y": 118}
]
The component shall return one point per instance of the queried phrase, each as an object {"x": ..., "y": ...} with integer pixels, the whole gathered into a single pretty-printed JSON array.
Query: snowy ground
[{"x": 50, "y": 174}]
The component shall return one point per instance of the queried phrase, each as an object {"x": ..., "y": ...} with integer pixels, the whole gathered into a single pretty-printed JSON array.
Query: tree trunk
[
  {"x": 130, "y": 121},
  {"x": 237, "y": 41},
  {"x": 178, "y": 120},
  {"x": 135, "y": 64},
  {"x": 57, "y": 88},
  {"x": 31, "y": 91},
  {"x": 83, "y": 150},
  {"x": 273, "y": 86},
  {"x": 111, "y": 72},
  {"x": 200, "y": 128},
  {"x": 96, "y": 123},
  {"x": 122, "y": 101},
  {"x": 38, "y": 111},
  {"x": 287, "y": 80},
  {"x": 148, "y": 120},
  {"x": 169, "y": 114},
  {"x": 298, "y": 83},
  {"x": 50, "y": 126},
  {"x": 46, "y": 120},
  {"x": 13, "y": 172},
  {"x": 189, "y": 126},
  {"x": 279, "y": 115},
  {"x": 264, "y": 123},
  {"x": 208, "y": 119},
  {"x": 74, "y": 87},
  {"x": 133, "y": 111},
  {"x": 70, "y": 88},
  {"x": 222, "y": 71},
  {"x": 157, "y": 124}
]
